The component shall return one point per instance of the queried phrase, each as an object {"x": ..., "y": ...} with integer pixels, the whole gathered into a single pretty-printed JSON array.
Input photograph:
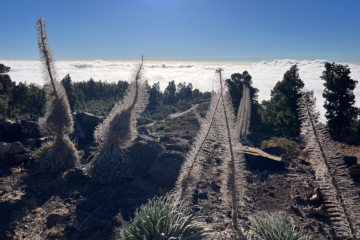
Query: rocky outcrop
[
  {"x": 14, "y": 152},
  {"x": 165, "y": 170},
  {"x": 87, "y": 123},
  {"x": 10, "y": 131},
  {"x": 30, "y": 128}
]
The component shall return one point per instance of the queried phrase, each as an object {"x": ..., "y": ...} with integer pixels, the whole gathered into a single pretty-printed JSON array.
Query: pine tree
[
  {"x": 235, "y": 85},
  {"x": 339, "y": 99},
  {"x": 280, "y": 113}
]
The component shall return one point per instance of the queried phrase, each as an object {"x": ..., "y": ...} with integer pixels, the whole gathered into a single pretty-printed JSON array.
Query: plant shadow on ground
[{"x": 70, "y": 205}]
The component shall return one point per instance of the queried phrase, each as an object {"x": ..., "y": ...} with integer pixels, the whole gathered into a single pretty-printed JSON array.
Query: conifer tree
[
  {"x": 280, "y": 113},
  {"x": 57, "y": 121},
  {"x": 339, "y": 99}
]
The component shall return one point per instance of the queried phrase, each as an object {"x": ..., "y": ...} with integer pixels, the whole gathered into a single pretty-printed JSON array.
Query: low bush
[
  {"x": 41, "y": 151},
  {"x": 290, "y": 146},
  {"x": 160, "y": 219},
  {"x": 274, "y": 227}
]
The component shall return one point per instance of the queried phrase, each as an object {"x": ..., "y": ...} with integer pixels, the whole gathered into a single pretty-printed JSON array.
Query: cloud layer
[{"x": 264, "y": 74}]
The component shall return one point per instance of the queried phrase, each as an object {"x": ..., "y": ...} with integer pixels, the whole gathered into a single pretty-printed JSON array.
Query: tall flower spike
[
  {"x": 233, "y": 160},
  {"x": 118, "y": 131},
  {"x": 244, "y": 113},
  {"x": 341, "y": 197},
  {"x": 57, "y": 121},
  {"x": 190, "y": 171}
]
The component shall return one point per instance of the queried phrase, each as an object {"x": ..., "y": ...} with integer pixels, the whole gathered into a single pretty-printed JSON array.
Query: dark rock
[
  {"x": 174, "y": 140},
  {"x": 215, "y": 186},
  {"x": 30, "y": 129},
  {"x": 54, "y": 217},
  {"x": 17, "y": 147},
  {"x": 87, "y": 205},
  {"x": 11, "y": 131},
  {"x": 277, "y": 151},
  {"x": 355, "y": 171},
  {"x": 263, "y": 163},
  {"x": 173, "y": 147},
  {"x": 143, "y": 154},
  {"x": 143, "y": 130},
  {"x": 20, "y": 158},
  {"x": 350, "y": 160},
  {"x": 74, "y": 176},
  {"x": 78, "y": 129},
  {"x": 165, "y": 170},
  {"x": 33, "y": 143},
  {"x": 203, "y": 195},
  {"x": 187, "y": 137},
  {"x": 88, "y": 123},
  {"x": 7, "y": 123},
  {"x": 90, "y": 118},
  {"x": 165, "y": 139},
  {"x": 8, "y": 150}
]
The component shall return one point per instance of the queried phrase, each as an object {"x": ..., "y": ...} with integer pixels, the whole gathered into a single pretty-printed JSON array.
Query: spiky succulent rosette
[{"x": 118, "y": 131}]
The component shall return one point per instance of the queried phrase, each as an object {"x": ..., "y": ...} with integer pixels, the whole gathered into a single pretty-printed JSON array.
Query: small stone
[
  {"x": 215, "y": 186},
  {"x": 203, "y": 195}
]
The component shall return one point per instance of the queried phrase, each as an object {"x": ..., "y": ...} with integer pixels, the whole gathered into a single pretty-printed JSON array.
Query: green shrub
[
  {"x": 274, "y": 227},
  {"x": 159, "y": 127},
  {"x": 290, "y": 146},
  {"x": 160, "y": 219}
]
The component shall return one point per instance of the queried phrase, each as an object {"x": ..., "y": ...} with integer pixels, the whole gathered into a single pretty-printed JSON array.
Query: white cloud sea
[{"x": 264, "y": 74}]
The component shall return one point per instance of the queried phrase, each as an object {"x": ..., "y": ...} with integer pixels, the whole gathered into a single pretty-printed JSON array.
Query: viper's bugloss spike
[
  {"x": 57, "y": 120},
  {"x": 118, "y": 131},
  {"x": 233, "y": 159},
  {"x": 343, "y": 202}
]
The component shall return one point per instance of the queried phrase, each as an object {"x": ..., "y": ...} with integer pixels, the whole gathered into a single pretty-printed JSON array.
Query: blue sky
[{"x": 184, "y": 30}]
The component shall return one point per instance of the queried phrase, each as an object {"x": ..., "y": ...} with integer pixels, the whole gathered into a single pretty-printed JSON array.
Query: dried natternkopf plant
[
  {"x": 118, "y": 131},
  {"x": 233, "y": 160},
  {"x": 217, "y": 125},
  {"x": 244, "y": 113},
  {"x": 57, "y": 121},
  {"x": 190, "y": 171},
  {"x": 342, "y": 199}
]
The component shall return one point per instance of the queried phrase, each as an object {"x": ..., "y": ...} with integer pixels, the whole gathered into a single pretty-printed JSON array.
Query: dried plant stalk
[
  {"x": 232, "y": 174},
  {"x": 57, "y": 121},
  {"x": 217, "y": 125},
  {"x": 244, "y": 113},
  {"x": 341, "y": 197},
  {"x": 190, "y": 171},
  {"x": 118, "y": 131}
]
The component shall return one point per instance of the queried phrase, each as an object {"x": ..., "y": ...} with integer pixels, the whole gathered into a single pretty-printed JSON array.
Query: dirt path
[{"x": 175, "y": 115}]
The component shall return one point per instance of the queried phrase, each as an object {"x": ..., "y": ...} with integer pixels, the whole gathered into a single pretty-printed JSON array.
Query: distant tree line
[
  {"x": 277, "y": 116},
  {"x": 95, "y": 96}
]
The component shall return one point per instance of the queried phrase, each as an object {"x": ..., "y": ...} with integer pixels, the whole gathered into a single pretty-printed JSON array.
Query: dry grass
[
  {"x": 54, "y": 233},
  {"x": 12, "y": 196},
  {"x": 61, "y": 156}
]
